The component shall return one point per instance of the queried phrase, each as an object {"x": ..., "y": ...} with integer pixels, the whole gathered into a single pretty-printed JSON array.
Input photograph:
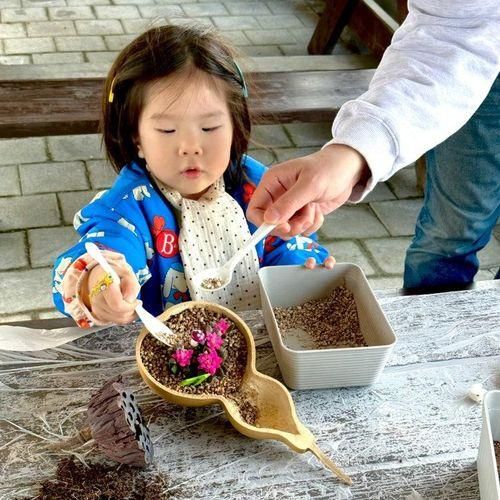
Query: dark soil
[
  {"x": 75, "y": 481},
  {"x": 332, "y": 321},
  {"x": 155, "y": 356},
  {"x": 497, "y": 454}
]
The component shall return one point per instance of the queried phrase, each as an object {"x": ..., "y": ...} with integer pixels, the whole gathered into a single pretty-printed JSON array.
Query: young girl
[{"x": 176, "y": 128}]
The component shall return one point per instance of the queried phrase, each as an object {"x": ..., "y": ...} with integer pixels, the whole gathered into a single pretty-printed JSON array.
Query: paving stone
[
  {"x": 118, "y": 42},
  {"x": 52, "y": 28},
  {"x": 207, "y": 9},
  {"x": 12, "y": 251},
  {"x": 13, "y": 318},
  {"x": 99, "y": 27},
  {"x": 284, "y": 154},
  {"x": 282, "y": 7},
  {"x": 77, "y": 3},
  {"x": 302, "y": 35},
  {"x": 25, "y": 290},
  {"x": 53, "y": 177},
  {"x": 135, "y": 26},
  {"x": 15, "y": 59},
  {"x": 404, "y": 183},
  {"x": 280, "y": 21},
  {"x": 388, "y": 253},
  {"x": 79, "y": 43},
  {"x": 54, "y": 313},
  {"x": 29, "y": 45},
  {"x": 261, "y": 50},
  {"x": 12, "y": 30},
  {"x": 266, "y": 157},
  {"x": 489, "y": 256},
  {"x": 75, "y": 147},
  {"x": 22, "y": 212},
  {"x": 236, "y": 23},
  {"x": 44, "y": 3},
  {"x": 398, "y": 216},
  {"x": 308, "y": 19},
  {"x": 205, "y": 21},
  {"x": 386, "y": 282},
  {"x": 349, "y": 251},
  {"x": 73, "y": 202},
  {"x": 270, "y": 37},
  {"x": 11, "y": 3},
  {"x": 101, "y": 174},
  {"x": 484, "y": 275},
  {"x": 381, "y": 192},
  {"x": 143, "y": 2},
  {"x": 101, "y": 57},
  {"x": 10, "y": 184},
  {"x": 117, "y": 12},
  {"x": 294, "y": 50},
  {"x": 352, "y": 222},
  {"x": 236, "y": 37},
  {"x": 23, "y": 15},
  {"x": 162, "y": 11},
  {"x": 270, "y": 135},
  {"x": 58, "y": 58},
  {"x": 26, "y": 150},
  {"x": 242, "y": 8},
  {"x": 309, "y": 134},
  {"x": 83, "y": 12},
  {"x": 48, "y": 243}
]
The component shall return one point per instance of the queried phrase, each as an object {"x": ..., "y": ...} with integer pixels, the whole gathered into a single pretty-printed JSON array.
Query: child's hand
[
  {"x": 113, "y": 302},
  {"x": 329, "y": 262}
]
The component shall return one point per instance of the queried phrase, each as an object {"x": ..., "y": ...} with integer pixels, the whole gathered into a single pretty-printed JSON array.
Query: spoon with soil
[{"x": 215, "y": 278}]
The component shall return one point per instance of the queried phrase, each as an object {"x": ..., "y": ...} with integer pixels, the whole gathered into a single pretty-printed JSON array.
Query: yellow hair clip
[{"x": 111, "y": 95}]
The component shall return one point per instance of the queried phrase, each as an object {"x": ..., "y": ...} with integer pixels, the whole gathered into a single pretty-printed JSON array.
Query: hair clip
[
  {"x": 111, "y": 95},
  {"x": 244, "y": 84}
]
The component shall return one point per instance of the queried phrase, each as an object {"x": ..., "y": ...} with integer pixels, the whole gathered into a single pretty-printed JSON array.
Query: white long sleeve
[{"x": 439, "y": 68}]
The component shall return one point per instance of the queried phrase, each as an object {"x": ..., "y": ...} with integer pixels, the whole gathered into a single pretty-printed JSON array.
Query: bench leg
[{"x": 335, "y": 17}]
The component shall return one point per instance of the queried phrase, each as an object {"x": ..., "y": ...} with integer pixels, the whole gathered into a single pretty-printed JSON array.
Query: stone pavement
[{"x": 45, "y": 180}]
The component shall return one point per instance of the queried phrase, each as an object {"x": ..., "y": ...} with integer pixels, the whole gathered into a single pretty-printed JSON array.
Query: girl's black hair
[{"x": 159, "y": 52}]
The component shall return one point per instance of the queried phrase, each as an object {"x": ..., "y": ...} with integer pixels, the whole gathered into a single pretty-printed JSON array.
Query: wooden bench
[{"x": 66, "y": 105}]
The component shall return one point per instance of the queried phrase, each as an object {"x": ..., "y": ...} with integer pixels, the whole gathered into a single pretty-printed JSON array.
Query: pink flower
[
  {"x": 214, "y": 341},
  {"x": 198, "y": 336},
  {"x": 221, "y": 326},
  {"x": 209, "y": 361},
  {"x": 183, "y": 356}
]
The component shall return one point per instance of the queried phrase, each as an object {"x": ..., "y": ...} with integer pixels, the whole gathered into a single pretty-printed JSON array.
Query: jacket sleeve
[
  {"x": 105, "y": 226},
  {"x": 437, "y": 71},
  {"x": 278, "y": 252}
]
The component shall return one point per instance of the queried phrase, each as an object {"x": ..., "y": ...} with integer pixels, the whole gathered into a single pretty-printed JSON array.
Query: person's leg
[{"x": 461, "y": 204}]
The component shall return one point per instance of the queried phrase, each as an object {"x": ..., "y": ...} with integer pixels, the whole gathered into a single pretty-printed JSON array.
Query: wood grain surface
[{"x": 413, "y": 433}]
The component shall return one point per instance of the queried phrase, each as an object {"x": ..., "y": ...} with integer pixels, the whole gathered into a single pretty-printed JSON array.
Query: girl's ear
[{"x": 140, "y": 154}]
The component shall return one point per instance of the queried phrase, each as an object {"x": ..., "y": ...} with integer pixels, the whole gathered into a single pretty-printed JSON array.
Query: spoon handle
[
  {"x": 261, "y": 232},
  {"x": 330, "y": 464}
]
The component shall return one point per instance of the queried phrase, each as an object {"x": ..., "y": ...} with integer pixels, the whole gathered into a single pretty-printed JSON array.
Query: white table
[{"x": 413, "y": 433}]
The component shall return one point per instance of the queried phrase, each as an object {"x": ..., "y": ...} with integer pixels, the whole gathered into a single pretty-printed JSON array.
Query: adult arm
[{"x": 437, "y": 71}]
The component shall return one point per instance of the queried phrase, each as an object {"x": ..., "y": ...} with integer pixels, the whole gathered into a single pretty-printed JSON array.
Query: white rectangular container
[
  {"x": 303, "y": 366},
  {"x": 489, "y": 486}
]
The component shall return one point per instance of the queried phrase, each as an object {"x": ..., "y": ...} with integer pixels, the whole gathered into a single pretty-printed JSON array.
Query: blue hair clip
[{"x": 244, "y": 84}]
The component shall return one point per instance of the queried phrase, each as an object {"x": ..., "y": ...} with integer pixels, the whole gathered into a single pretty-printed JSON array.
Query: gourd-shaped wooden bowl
[{"x": 276, "y": 416}]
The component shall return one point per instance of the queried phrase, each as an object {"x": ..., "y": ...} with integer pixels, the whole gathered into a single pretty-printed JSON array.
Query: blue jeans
[{"x": 461, "y": 202}]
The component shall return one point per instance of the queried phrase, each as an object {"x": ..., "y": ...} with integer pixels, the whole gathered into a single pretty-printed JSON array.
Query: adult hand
[
  {"x": 117, "y": 301},
  {"x": 298, "y": 193}
]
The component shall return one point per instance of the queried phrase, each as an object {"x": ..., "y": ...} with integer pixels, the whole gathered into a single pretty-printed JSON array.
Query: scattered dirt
[{"x": 76, "y": 481}]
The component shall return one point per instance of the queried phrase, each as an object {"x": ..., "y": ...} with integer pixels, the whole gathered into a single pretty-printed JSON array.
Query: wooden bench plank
[{"x": 61, "y": 107}]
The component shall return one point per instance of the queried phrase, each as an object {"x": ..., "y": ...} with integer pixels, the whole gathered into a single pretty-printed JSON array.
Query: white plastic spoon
[
  {"x": 215, "y": 278},
  {"x": 158, "y": 329}
]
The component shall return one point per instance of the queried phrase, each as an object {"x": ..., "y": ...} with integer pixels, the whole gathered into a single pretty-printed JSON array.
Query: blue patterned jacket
[{"x": 133, "y": 218}]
